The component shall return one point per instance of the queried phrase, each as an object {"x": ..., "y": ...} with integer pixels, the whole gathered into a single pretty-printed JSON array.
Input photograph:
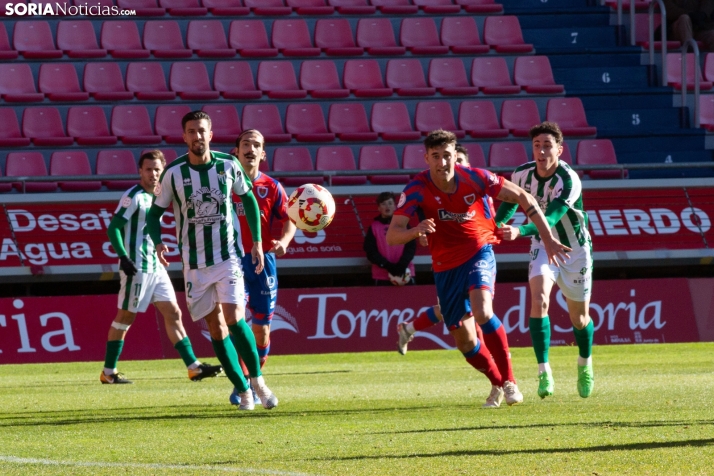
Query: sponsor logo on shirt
[
  {"x": 206, "y": 203},
  {"x": 446, "y": 215},
  {"x": 492, "y": 179},
  {"x": 187, "y": 182},
  {"x": 402, "y": 200}
]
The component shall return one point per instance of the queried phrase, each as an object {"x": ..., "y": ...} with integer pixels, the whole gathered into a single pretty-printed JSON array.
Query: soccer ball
[
  {"x": 401, "y": 280},
  {"x": 311, "y": 207}
]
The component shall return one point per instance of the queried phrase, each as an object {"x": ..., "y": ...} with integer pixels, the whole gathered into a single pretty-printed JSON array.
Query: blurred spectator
[{"x": 691, "y": 19}]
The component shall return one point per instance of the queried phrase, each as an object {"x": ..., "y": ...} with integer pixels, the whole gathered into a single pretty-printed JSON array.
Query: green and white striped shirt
[
  {"x": 207, "y": 228},
  {"x": 133, "y": 207}
]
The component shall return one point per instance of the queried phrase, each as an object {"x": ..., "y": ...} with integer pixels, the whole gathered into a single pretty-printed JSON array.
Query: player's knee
[
  {"x": 540, "y": 304},
  {"x": 125, "y": 317}
]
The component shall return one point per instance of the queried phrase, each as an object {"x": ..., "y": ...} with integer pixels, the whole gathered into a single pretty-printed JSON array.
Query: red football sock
[
  {"x": 483, "y": 362},
  {"x": 423, "y": 321},
  {"x": 497, "y": 343}
]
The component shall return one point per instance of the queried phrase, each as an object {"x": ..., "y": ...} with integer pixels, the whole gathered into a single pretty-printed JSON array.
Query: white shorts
[
  {"x": 206, "y": 287},
  {"x": 138, "y": 291},
  {"x": 574, "y": 277}
]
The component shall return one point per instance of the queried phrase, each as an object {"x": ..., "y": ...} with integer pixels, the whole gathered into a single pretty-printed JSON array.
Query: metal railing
[
  {"x": 663, "y": 13},
  {"x": 697, "y": 75}
]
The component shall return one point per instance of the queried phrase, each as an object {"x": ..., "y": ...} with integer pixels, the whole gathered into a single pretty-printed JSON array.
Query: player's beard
[{"x": 198, "y": 148}]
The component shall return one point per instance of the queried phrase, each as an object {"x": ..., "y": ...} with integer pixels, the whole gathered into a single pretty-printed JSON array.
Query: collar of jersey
[
  {"x": 545, "y": 179},
  {"x": 456, "y": 180},
  {"x": 202, "y": 167}
]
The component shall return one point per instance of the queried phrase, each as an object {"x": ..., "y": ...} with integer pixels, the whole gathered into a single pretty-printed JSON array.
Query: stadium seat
[
  {"x": 5, "y": 187},
  {"x": 167, "y": 123},
  {"x": 73, "y": 163},
  {"x": 169, "y": 154},
  {"x": 437, "y": 6},
  {"x": 320, "y": 79},
  {"x": 567, "y": 157},
  {"x": 224, "y": 123},
  {"x": 480, "y": 6},
  {"x": 226, "y": 7},
  {"x": 164, "y": 39},
  {"x": 190, "y": 81},
  {"x": 519, "y": 115},
  {"x": 353, "y": 7},
  {"x": 503, "y": 34},
  {"x": 10, "y": 135},
  {"x": 59, "y": 82},
  {"x": 434, "y": 115},
  {"x": 338, "y": 158},
  {"x": 349, "y": 122},
  {"x": 598, "y": 152},
  {"x": 33, "y": 40},
  {"x": 479, "y": 120},
  {"x": 334, "y": 37},
  {"x": 642, "y": 32},
  {"x": 392, "y": 122},
  {"x": 295, "y": 159},
  {"x": 147, "y": 82},
  {"x": 376, "y": 36},
  {"x": 143, "y": 8},
  {"x": 234, "y": 80},
  {"x": 364, "y": 79},
  {"x": 491, "y": 75},
  {"x": 507, "y": 154},
  {"x": 420, "y": 37},
  {"x": 406, "y": 78},
  {"x": 103, "y": 81},
  {"x": 184, "y": 8},
  {"x": 117, "y": 162},
  {"x": 535, "y": 76},
  {"x": 311, "y": 7},
  {"x": 43, "y": 125},
  {"x": 78, "y": 40},
  {"x": 674, "y": 72},
  {"x": 448, "y": 76},
  {"x": 399, "y": 7},
  {"x": 250, "y": 38},
  {"x": 380, "y": 157},
  {"x": 28, "y": 164},
  {"x": 413, "y": 157},
  {"x": 639, "y": 5},
  {"x": 268, "y": 7},
  {"x": 306, "y": 123},
  {"x": 133, "y": 126},
  {"x": 88, "y": 126},
  {"x": 292, "y": 38},
  {"x": 460, "y": 35},
  {"x": 570, "y": 116},
  {"x": 121, "y": 39},
  {"x": 208, "y": 39},
  {"x": 7, "y": 52},
  {"x": 277, "y": 80},
  {"x": 17, "y": 83},
  {"x": 706, "y": 112},
  {"x": 265, "y": 118},
  {"x": 475, "y": 153}
]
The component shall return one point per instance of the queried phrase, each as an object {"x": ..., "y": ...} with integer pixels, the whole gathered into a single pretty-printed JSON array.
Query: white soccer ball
[
  {"x": 401, "y": 280},
  {"x": 311, "y": 207}
]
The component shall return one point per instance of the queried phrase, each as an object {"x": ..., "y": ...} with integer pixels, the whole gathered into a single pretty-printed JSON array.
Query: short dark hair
[
  {"x": 152, "y": 155},
  {"x": 247, "y": 131},
  {"x": 439, "y": 138},
  {"x": 547, "y": 128},
  {"x": 460, "y": 149},
  {"x": 195, "y": 116},
  {"x": 384, "y": 196}
]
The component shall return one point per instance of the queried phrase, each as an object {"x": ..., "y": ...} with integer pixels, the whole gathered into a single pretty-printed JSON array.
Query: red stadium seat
[
  {"x": 117, "y": 162},
  {"x": 208, "y": 39},
  {"x": 491, "y": 75},
  {"x": 17, "y": 83},
  {"x": 349, "y": 122},
  {"x": 33, "y": 39},
  {"x": 268, "y": 7},
  {"x": 392, "y": 122},
  {"x": 169, "y": 154},
  {"x": 570, "y": 116},
  {"x": 507, "y": 154},
  {"x": 104, "y": 82},
  {"x": 311, "y": 7},
  {"x": 461, "y": 35},
  {"x": 413, "y": 157},
  {"x": 535, "y": 76},
  {"x": 78, "y": 40},
  {"x": 59, "y": 82},
  {"x": 164, "y": 39},
  {"x": 475, "y": 153},
  {"x": 167, "y": 123},
  {"x": 376, "y": 36},
  {"x": 406, "y": 77},
  {"x": 277, "y": 79},
  {"x": 184, "y": 8},
  {"x": 448, "y": 76},
  {"x": 295, "y": 159},
  {"x": 642, "y": 32},
  {"x": 143, "y": 8},
  {"x": 265, "y": 118},
  {"x": 338, "y": 158},
  {"x": 568, "y": 158},
  {"x": 674, "y": 72},
  {"x": 88, "y": 126},
  {"x": 364, "y": 79},
  {"x": 598, "y": 152},
  {"x": 190, "y": 81},
  {"x": 519, "y": 115},
  {"x": 43, "y": 125},
  {"x": 381, "y": 157},
  {"x": 121, "y": 39},
  {"x": 399, "y": 7},
  {"x": 706, "y": 112},
  {"x": 434, "y": 115},
  {"x": 147, "y": 82},
  {"x": 320, "y": 79},
  {"x": 708, "y": 67},
  {"x": 480, "y": 6},
  {"x": 419, "y": 36},
  {"x": 5, "y": 187},
  {"x": 306, "y": 123},
  {"x": 334, "y": 37},
  {"x": 353, "y": 7},
  {"x": 437, "y": 6},
  {"x": 73, "y": 163},
  {"x": 250, "y": 39},
  {"x": 292, "y": 38},
  {"x": 224, "y": 123},
  {"x": 503, "y": 33},
  {"x": 479, "y": 120},
  {"x": 133, "y": 126},
  {"x": 6, "y": 51},
  {"x": 28, "y": 164},
  {"x": 226, "y": 7},
  {"x": 10, "y": 135},
  {"x": 234, "y": 80}
]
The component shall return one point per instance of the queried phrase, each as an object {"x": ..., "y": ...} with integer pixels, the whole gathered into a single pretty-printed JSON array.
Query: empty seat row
[
  {"x": 674, "y": 71},
  {"x": 207, "y": 38}
]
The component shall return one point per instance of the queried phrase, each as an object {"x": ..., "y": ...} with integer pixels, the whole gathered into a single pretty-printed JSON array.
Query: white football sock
[
  {"x": 109, "y": 371},
  {"x": 544, "y": 367},
  {"x": 194, "y": 365},
  {"x": 409, "y": 327},
  {"x": 587, "y": 361}
]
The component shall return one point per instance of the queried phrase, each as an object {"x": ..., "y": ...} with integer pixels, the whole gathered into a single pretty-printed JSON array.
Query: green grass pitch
[{"x": 371, "y": 413}]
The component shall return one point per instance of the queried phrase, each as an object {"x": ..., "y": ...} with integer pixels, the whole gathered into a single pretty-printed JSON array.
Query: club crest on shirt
[
  {"x": 222, "y": 177},
  {"x": 262, "y": 191},
  {"x": 206, "y": 204},
  {"x": 402, "y": 200},
  {"x": 470, "y": 199}
]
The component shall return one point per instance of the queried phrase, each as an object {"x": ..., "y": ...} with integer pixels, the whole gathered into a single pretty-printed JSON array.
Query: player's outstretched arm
[
  {"x": 153, "y": 225},
  {"x": 399, "y": 234}
]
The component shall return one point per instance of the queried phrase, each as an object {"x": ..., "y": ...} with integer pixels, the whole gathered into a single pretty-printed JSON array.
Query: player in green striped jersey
[
  {"x": 199, "y": 184},
  {"x": 558, "y": 190},
  {"x": 143, "y": 279}
]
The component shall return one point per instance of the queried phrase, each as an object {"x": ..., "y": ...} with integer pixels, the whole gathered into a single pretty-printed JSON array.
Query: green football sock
[
  {"x": 185, "y": 350},
  {"x": 245, "y": 345},
  {"x": 111, "y": 358},
  {"x": 228, "y": 358},
  {"x": 584, "y": 338},
  {"x": 540, "y": 336}
]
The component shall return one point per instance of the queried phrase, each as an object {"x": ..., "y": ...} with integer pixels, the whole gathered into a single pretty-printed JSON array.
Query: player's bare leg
[
  {"x": 115, "y": 343},
  {"x": 583, "y": 331},
  {"x": 539, "y": 325}
]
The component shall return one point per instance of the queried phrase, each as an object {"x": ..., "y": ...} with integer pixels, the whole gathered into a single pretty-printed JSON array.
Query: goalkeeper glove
[{"x": 127, "y": 266}]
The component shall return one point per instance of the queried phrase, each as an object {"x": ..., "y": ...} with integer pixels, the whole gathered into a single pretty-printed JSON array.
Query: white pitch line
[{"x": 99, "y": 464}]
